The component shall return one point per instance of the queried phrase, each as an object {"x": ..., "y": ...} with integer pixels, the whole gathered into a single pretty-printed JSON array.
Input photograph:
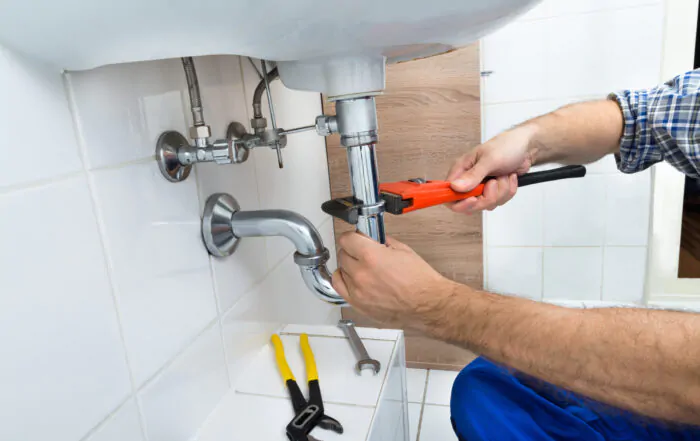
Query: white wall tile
[
  {"x": 67, "y": 369},
  {"x": 122, "y": 109},
  {"x": 624, "y": 270},
  {"x": 178, "y": 400},
  {"x": 574, "y": 212},
  {"x": 578, "y": 6},
  {"x": 414, "y": 414},
  {"x": 415, "y": 383},
  {"x": 223, "y": 97},
  {"x": 221, "y": 87},
  {"x": 236, "y": 274},
  {"x": 605, "y": 165},
  {"x": 35, "y": 109},
  {"x": 503, "y": 116},
  {"x": 600, "y": 52},
  {"x": 281, "y": 298},
  {"x": 436, "y": 424},
  {"x": 302, "y": 185},
  {"x": 124, "y": 425},
  {"x": 439, "y": 389},
  {"x": 161, "y": 269},
  {"x": 517, "y": 56},
  {"x": 518, "y": 222},
  {"x": 628, "y": 209},
  {"x": 515, "y": 271},
  {"x": 247, "y": 328},
  {"x": 573, "y": 273}
]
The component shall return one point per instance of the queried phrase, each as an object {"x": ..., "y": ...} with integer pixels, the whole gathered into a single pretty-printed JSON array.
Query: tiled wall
[
  {"x": 115, "y": 324},
  {"x": 580, "y": 240}
]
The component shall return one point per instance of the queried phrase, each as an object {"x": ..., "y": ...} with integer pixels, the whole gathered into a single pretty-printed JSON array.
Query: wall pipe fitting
[
  {"x": 224, "y": 224},
  {"x": 356, "y": 120}
]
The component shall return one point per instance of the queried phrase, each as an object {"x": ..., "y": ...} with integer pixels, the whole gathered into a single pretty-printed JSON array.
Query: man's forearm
[
  {"x": 647, "y": 361},
  {"x": 577, "y": 134}
]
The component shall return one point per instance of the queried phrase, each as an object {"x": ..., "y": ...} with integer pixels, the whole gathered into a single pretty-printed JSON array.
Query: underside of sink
[{"x": 82, "y": 34}]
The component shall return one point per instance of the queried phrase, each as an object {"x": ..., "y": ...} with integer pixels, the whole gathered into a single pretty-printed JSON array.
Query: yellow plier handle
[
  {"x": 309, "y": 360},
  {"x": 298, "y": 400},
  {"x": 281, "y": 360}
]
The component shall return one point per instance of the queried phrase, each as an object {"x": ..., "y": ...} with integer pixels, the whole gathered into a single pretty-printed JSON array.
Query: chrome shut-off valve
[{"x": 176, "y": 155}]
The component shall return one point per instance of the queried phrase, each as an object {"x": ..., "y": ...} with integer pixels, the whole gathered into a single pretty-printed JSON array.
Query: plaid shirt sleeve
[{"x": 662, "y": 123}]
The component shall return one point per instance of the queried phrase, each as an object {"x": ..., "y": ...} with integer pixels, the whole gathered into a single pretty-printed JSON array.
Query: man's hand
[
  {"x": 505, "y": 156},
  {"x": 576, "y": 134},
  {"x": 389, "y": 283}
]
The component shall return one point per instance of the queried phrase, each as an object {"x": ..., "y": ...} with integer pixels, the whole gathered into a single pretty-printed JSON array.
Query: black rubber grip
[{"x": 570, "y": 171}]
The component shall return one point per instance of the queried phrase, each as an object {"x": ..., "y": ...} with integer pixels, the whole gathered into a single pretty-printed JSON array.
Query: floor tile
[
  {"x": 415, "y": 383},
  {"x": 435, "y": 425},
  {"x": 440, "y": 387}
]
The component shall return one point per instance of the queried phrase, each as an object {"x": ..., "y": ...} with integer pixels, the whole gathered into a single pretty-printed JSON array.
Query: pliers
[{"x": 307, "y": 414}]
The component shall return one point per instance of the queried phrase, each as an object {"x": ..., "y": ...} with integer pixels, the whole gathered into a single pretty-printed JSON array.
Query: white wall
[
  {"x": 664, "y": 288},
  {"x": 115, "y": 324},
  {"x": 577, "y": 241}
]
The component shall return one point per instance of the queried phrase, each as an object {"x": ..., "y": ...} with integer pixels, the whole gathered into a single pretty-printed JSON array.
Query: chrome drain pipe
[
  {"x": 224, "y": 224},
  {"x": 357, "y": 126}
]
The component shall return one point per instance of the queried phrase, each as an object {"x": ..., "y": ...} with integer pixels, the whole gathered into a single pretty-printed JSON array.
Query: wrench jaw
[{"x": 369, "y": 363}]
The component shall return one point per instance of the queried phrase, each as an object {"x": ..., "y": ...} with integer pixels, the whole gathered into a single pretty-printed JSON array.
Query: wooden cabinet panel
[{"x": 428, "y": 115}]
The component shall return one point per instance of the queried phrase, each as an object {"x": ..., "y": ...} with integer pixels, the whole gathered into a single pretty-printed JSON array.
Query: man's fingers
[
  {"x": 465, "y": 206},
  {"x": 347, "y": 263},
  {"x": 464, "y": 162},
  {"x": 355, "y": 244},
  {"x": 496, "y": 192},
  {"x": 471, "y": 178}
]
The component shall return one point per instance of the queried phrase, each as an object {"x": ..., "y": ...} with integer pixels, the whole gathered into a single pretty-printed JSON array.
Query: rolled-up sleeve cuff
[{"x": 637, "y": 149}]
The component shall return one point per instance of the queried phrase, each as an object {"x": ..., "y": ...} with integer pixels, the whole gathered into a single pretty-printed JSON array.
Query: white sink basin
[
  {"x": 334, "y": 39},
  {"x": 81, "y": 34}
]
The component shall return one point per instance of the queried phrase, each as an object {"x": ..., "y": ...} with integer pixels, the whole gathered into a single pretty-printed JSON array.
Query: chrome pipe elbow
[{"x": 224, "y": 224}]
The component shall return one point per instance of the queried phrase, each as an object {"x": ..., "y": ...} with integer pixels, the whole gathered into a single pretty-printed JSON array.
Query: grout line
[
  {"x": 213, "y": 279},
  {"x": 40, "y": 182},
  {"x": 82, "y": 151},
  {"x": 86, "y": 169},
  {"x": 177, "y": 355},
  {"x": 106, "y": 419},
  {"x": 136, "y": 161},
  {"x": 382, "y": 387},
  {"x": 325, "y": 401},
  {"x": 422, "y": 405}
]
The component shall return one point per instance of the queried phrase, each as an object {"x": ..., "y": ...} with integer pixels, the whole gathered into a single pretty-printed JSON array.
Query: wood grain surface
[{"x": 428, "y": 115}]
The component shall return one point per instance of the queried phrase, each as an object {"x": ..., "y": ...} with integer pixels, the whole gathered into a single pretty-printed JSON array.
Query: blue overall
[{"x": 490, "y": 403}]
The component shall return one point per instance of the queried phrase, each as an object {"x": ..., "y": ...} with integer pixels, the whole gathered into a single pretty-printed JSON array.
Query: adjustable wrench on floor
[{"x": 363, "y": 358}]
